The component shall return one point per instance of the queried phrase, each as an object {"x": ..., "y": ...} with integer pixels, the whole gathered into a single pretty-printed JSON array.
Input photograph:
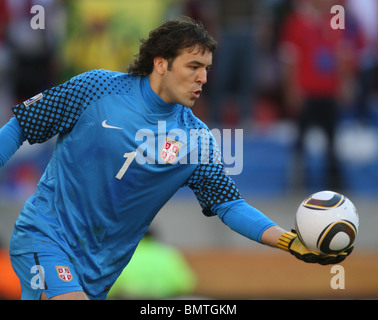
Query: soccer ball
[{"x": 327, "y": 222}]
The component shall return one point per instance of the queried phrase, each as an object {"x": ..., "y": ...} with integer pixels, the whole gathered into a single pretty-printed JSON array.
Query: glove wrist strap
[{"x": 285, "y": 240}]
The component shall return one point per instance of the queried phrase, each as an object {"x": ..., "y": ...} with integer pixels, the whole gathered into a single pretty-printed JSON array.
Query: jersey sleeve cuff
[{"x": 244, "y": 219}]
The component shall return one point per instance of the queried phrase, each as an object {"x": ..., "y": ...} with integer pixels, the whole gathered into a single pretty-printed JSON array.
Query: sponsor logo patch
[{"x": 31, "y": 100}]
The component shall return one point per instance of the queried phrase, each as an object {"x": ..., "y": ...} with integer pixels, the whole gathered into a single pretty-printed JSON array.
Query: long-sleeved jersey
[{"x": 120, "y": 155}]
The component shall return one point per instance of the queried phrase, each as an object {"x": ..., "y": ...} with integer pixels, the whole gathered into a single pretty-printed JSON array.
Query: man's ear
[{"x": 160, "y": 65}]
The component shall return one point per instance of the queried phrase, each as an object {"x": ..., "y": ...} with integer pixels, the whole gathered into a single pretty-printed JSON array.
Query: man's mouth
[{"x": 197, "y": 93}]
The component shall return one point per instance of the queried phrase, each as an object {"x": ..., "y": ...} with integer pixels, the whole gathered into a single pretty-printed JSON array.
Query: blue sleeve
[
  {"x": 212, "y": 186},
  {"x": 11, "y": 138},
  {"x": 57, "y": 110},
  {"x": 209, "y": 181},
  {"x": 243, "y": 218}
]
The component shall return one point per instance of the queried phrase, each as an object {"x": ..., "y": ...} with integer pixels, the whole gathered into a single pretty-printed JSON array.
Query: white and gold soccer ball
[{"x": 327, "y": 222}]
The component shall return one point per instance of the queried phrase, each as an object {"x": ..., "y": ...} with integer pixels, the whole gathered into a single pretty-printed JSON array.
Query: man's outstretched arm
[{"x": 11, "y": 138}]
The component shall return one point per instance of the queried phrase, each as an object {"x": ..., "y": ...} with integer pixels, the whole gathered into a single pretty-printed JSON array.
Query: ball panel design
[
  {"x": 327, "y": 222},
  {"x": 337, "y": 237},
  {"x": 340, "y": 242},
  {"x": 324, "y": 204}
]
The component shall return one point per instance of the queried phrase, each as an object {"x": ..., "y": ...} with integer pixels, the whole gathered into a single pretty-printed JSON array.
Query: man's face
[{"x": 184, "y": 77}]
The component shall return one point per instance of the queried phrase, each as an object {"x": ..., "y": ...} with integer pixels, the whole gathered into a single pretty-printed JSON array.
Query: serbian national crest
[
  {"x": 64, "y": 273},
  {"x": 170, "y": 150}
]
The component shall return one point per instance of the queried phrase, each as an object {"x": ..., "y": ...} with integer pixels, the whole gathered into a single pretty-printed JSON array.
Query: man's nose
[{"x": 202, "y": 76}]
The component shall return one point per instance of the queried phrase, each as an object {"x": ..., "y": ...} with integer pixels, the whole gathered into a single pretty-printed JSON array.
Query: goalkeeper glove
[{"x": 289, "y": 241}]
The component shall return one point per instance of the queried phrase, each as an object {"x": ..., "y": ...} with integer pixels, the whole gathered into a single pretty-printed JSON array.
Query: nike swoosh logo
[{"x": 105, "y": 125}]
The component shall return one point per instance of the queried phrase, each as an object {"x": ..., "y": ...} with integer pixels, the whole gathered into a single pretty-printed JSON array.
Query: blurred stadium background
[{"x": 85, "y": 34}]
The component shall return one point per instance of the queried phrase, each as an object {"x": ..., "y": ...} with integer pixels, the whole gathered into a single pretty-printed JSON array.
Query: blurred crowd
[
  {"x": 272, "y": 54},
  {"x": 276, "y": 55}
]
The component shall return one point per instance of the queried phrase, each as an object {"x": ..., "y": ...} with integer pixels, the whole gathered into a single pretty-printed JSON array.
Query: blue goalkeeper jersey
[{"x": 121, "y": 153}]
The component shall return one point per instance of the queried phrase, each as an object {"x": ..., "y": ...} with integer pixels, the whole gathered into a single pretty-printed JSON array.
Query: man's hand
[{"x": 289, "y": 241}]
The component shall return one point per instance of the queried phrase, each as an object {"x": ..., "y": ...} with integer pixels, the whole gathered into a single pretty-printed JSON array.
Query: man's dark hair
[{"x": 166, "y": 41}]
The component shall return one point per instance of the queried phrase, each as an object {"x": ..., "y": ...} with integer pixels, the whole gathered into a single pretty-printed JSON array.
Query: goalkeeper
[{"x": 95, "y": 200}]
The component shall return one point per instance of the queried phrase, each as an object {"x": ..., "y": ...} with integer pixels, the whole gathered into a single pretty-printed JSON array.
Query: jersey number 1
[{"x": 129, "y": 158}]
